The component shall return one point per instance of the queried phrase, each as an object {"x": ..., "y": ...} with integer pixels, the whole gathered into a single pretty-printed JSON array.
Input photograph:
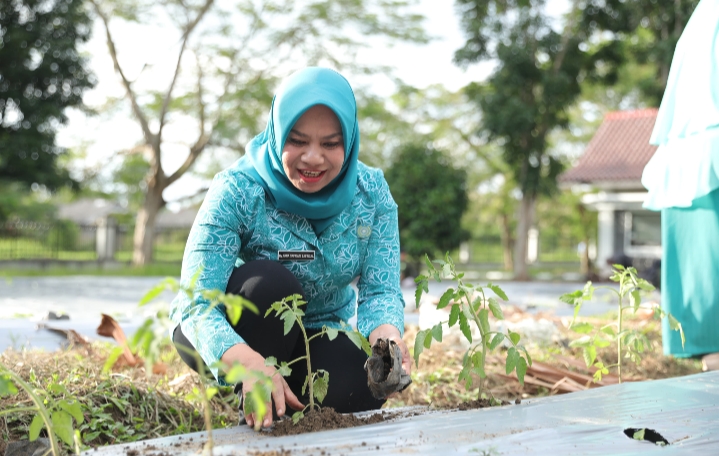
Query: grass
[{"x": 118, "y": 407}]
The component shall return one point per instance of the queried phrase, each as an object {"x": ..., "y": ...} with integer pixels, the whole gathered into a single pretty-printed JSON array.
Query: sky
[{"x": 100, "y": 137}]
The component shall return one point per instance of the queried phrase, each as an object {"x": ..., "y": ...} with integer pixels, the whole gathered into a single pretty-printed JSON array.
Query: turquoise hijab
[{"x": 263, "y": 155}]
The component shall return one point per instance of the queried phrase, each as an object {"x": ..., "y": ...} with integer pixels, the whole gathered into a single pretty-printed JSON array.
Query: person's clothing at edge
[
  {"x": 263, "y": 282},
  {"x": 682, "y": 180},
  {"x": 249, "y": 216}
]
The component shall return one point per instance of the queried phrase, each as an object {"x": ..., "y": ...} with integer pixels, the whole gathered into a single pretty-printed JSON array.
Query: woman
[
  {"x": 683, "y": 182},
  {"x": 297, "y": 214}
]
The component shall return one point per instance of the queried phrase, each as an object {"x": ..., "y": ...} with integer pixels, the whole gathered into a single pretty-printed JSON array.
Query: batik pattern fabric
[{"x": 237, "y": 223}]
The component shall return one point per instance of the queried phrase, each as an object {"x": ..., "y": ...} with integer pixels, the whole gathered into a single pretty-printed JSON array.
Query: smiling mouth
[{"x": 311, "y": 174}]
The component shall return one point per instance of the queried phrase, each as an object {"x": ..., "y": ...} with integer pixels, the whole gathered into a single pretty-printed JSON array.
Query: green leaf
[
  {"x": 496, "y": 309},
  {"x": 639, "y": 435},
  {"x": 635, "y": 300},
  {"x": 512, "y": 360},
  {"x": 526, "y": 354},
  {"x": 428, "y": 262},
  {"x": 297, "y": 416},
  {"x": 58, "y": 388},
  {"x": 62, "y": 426},
  {"x": 7, "y": 387},
  {"x": 285, "y": 370},
  {"x": 478, "y": 363},
  {"x": 608, "y": 330},
  {"x": 320, "y": 385},
  {"x": 422, "y": 286},
  {"x": 618, "y": 266},
  {"x": 74, "y": 409},
  {"x": 571, "y": 298},
  {"x": 437, "y": 332},
  {"x": 446, "y": 298},
  {"x": 484, "y": 321},
  {"x": 236, "y": 374},
  {"x": 496, "y": 340},
  {"x": 419, "y": 344},
  {"x": 271, "y": 361},
  {"x": 289, "y": 318},
  {"x": 454, "y": 314},
  {"x": 359, "y": 340},
  {"x": 521, "y": 369},
  {"x": 331, "y": 333},
  {"x": 601, "y": 343},
  {"x": 35, "y": 427},
  {"x": 112, "y": 359},
  {"x": 464, "y": 326},
  {"x": 498, "y": 291},
  {"x": 590, "y": 354},
  {"x": 582, "y": 328},
  {"x": 514, "y": 337},
  {"x": 153, "y": 293},
  {"x": 581, "y": 342},
  {"x": 428, "y": 339}
]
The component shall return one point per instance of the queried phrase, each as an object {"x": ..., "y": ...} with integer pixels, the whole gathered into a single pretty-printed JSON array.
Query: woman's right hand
[{"x": 282, "y": 395}]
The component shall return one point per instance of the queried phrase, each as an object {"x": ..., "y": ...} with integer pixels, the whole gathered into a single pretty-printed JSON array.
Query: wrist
[{"x": 242, "y": 354}]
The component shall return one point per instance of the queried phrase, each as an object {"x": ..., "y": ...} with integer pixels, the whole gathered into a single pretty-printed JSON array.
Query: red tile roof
[{"x": 619, "y": 149}]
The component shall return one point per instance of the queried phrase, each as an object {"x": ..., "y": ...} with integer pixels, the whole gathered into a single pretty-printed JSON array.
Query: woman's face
[{"x": 314, "y": 151}]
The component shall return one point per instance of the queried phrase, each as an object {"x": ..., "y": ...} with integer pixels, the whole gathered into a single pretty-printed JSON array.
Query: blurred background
[{"x": 513, "y": 133}]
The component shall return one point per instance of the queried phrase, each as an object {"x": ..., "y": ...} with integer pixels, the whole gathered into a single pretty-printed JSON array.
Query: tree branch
[
  {"x": 185, "y": 37},
  {"x": 571, "y": 23},
  {"x": 149, "y": 136}
]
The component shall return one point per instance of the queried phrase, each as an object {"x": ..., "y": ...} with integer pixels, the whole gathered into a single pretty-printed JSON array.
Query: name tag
[{"x": 295, "y": 255}]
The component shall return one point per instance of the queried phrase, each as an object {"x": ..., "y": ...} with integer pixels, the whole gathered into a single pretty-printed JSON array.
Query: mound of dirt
[{"x": 324, "y": 419}]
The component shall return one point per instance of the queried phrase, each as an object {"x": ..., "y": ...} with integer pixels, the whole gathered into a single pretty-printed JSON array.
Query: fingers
[
  {"x": 278, "y": 396},
  {"x": 291, "y": 399}
]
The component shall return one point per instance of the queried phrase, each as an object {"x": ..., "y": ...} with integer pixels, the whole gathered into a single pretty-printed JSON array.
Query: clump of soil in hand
[
  {"x": 323, "y": 419},
  {"x": 380, "y": 364}
]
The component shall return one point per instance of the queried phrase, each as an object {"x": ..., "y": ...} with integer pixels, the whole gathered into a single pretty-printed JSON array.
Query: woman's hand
[
  {"x": 392, "y": 333},
  {"x": 282, "y": 395}
]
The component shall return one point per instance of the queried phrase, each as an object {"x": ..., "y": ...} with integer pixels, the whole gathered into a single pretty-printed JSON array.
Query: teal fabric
[
  {"x": 690, "y": 276},
  {"x": 263, "y": 158},
  {"x": 686, "y": 164},
  {"x": 239, "y": 222}
]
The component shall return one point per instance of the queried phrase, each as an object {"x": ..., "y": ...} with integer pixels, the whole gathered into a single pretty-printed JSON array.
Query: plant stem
[
  {"x": 40, "y": 408},
  {"x": 209, "y": 445},
  {"x": 309, "y": 365}
]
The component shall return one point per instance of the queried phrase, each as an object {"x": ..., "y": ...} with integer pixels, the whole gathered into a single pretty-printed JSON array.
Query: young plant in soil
[
  {"x": 631, "y": 343},
  {"x": 289, "y": 311},
  {"x": 470, "y": 304}
]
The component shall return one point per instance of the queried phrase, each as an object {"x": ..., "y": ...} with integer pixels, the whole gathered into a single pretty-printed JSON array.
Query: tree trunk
[
  {"x": 145, "y": 225},
  {"x": 507, "y": 243},
  {"x": 526, "y": 216}
]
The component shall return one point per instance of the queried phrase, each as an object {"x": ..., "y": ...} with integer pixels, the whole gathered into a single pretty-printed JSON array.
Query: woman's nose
[{"x": 313, "y": 155}]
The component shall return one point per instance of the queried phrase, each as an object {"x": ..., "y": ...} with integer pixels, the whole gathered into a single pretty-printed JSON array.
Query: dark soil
[
  {"x": 479, "y": 403},
  {"x": 322, "y": 420}
]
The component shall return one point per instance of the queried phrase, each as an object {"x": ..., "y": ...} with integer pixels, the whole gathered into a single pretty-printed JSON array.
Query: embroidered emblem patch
[
  {"x": 364, "y": 231},
  {"x": 295, "y": 255}
]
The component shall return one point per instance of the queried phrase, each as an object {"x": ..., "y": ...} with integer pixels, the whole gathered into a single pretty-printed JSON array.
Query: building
[{"x": 612, "y": 165}]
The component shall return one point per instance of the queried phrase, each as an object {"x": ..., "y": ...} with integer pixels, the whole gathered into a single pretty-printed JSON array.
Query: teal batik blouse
[{"x": 237, "y": 223}]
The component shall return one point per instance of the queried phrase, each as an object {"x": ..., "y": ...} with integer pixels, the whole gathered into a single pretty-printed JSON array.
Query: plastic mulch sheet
[{"x": 684, "y": 411}]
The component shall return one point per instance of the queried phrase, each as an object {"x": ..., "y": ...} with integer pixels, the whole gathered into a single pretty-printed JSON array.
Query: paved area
[{"x": 25, "y": 301}]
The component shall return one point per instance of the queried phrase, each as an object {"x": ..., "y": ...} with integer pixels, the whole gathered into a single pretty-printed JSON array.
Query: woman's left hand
[{"x": 392, "y": 333}]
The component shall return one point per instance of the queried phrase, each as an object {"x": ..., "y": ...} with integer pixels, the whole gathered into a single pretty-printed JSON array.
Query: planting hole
[{"x": 650, "y": 435}]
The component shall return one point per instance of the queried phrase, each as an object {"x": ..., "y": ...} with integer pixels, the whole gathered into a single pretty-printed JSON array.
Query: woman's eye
[
  {"x": 296, "y": 142},
  {"x": 332, "y": 145}
]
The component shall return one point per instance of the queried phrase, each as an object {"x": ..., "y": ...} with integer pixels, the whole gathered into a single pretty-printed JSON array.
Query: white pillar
[
  {"x": 464, "y": 252},
  {"x": 605, "y": 238},
  {"x": 532, "y": 245},
  {"x": 105, "y": 239}
]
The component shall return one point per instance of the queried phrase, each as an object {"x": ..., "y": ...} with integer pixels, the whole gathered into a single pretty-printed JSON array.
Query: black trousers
[{"x": 264, "y": 282}]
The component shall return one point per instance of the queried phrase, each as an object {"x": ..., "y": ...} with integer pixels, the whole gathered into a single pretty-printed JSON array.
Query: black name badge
[{"x": 295, "y": 255}]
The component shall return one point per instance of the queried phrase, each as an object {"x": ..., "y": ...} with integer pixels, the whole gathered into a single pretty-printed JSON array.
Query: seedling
[
  {"x": 631, "y": 342},
  {"x": 470, "y": 304},
  {"x": 288, "y": 309}
]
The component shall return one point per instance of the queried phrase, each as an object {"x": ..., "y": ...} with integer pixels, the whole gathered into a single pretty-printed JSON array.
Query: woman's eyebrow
[{"x": 300, "y": 134}]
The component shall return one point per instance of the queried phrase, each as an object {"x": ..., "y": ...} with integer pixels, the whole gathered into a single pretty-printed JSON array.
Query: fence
[{"x": 68, "y": 241}]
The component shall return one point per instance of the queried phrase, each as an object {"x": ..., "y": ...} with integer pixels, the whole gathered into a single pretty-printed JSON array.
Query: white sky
[{"x": 102, "y": 136}]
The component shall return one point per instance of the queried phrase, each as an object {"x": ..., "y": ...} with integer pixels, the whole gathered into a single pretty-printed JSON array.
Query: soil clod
[{"x": 322, "y": 420}]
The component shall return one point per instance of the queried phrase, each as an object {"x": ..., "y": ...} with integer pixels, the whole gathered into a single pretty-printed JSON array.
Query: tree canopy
[
  {"x": 41, "y": 74},
  {"x": 431, "y": 196}
]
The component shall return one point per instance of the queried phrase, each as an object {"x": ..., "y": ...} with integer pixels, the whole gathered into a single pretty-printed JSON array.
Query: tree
[
  {"x": 41, "y": 74},
  {"x": 528, "y": 94},
  {"x": 228, "y": 60},
  {"x": 640, "y": 33},
  {"x": 431, "y": 196}
]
